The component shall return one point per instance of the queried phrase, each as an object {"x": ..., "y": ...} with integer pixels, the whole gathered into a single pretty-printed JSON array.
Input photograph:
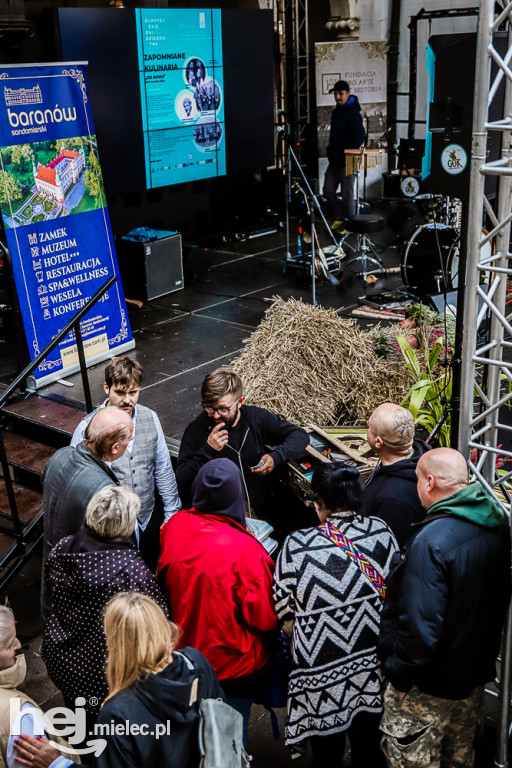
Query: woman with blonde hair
[
  {"x": 152, "y": 686},
  {"x": 150, "y": 716}
]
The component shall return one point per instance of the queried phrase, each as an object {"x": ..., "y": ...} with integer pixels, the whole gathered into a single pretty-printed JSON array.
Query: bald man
[
  {"x": 442, "y": 619},
  {"x": 73, "y": 475},
  {"x": 390, "y": 492}
]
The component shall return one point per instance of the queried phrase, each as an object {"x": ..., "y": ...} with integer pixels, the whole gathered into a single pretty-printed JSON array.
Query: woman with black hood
[{"x": 218, "y": 580}]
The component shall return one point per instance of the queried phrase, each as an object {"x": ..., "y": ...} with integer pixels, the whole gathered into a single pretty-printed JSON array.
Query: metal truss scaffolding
[
  {"x": 487, "y": 351},
  {"x": 486, "y": 382},
  {"x": 296, "y": 65}
]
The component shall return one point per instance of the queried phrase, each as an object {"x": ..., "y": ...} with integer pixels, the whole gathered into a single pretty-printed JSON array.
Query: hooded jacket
[
  {"x": 347, "y": 131},
  {"x": 391, "y": 494},
  {"x": 218, "y": 578},
  {"x": 81, "y": 574},
  {"x": 447, "y": 596},
  {"x": 160, "y": 701}
]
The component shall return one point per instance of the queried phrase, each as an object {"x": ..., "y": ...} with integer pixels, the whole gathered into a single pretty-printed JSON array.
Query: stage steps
[{"x": 33, "y": 427}]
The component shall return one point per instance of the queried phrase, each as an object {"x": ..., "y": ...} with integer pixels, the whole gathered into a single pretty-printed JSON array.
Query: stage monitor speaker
[
  {"x": 151, "y": 269},
  {"x": 410, "y": 153},
  {"x": 451, "y": 91}
]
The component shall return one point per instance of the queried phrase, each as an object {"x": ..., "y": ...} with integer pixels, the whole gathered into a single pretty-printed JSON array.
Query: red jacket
[{"x": 218, "y": 580}]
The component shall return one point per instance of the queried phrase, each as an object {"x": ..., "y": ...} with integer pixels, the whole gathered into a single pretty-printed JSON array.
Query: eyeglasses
[{"x": 221, "y": 411}]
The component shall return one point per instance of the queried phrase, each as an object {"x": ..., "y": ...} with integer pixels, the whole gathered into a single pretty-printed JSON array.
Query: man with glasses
[
  {"x": 146, "y": 462},
  {"x": 256, "y": 440}
]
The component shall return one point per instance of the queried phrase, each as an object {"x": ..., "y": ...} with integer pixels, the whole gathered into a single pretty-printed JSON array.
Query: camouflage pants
[{"x": 423, "y": 731}]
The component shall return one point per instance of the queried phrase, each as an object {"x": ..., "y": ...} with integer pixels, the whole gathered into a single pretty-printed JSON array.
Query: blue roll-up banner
[{"x": 55, "y": 216}]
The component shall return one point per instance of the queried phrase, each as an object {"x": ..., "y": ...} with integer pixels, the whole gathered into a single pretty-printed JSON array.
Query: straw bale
[{"x": 311, "y": 366}]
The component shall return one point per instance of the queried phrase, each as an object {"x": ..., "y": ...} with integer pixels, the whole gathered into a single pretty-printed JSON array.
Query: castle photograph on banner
[{"x": 50, "y": 179}]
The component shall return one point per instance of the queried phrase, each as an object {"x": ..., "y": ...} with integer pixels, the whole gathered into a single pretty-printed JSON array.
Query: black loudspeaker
[
  {"x": 196, "y": 263},
  {"x": 451, "y": 91},
  {"x": 410, "y": 153},
  {"x": 151, "y": 269}
]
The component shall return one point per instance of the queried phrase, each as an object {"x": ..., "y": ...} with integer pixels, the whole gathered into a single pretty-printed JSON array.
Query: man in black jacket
[
  {"x": 347, "y": 132},
  {"x": 256, "y": 440},
  {"x": 390, "y": 492},
  {"x": 442, "y": 619}
]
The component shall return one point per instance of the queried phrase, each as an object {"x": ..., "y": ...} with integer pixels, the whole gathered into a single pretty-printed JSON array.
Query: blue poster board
[
  {"x": 182, "y": 94},
  {"x": 55, "y": 216}
]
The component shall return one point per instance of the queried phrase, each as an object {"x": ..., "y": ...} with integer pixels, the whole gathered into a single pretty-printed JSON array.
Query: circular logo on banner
[
  {"x": 454, "y": 159},
  {"x": 410, "y": 186}
]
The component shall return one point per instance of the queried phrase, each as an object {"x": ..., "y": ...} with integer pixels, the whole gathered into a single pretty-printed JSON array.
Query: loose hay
[{"x": 311, "y": 366}]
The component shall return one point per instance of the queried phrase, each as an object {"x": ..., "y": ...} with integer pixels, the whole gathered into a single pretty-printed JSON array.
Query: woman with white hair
[
  {"x": 81, "y": 574},
  {"x": 30, "y": 718}
]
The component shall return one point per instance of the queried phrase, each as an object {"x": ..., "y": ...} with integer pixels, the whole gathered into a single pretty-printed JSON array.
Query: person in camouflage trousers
[
  {"x": 414, "y": 727},
  {"x": 442, "y": 619}
]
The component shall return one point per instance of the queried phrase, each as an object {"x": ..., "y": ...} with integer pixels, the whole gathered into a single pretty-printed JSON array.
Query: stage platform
[{"x": 182, "y": 336}]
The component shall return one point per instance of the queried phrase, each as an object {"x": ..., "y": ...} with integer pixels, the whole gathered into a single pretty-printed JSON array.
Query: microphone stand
[
  {"x": 288, "y": 183},
  {"x": 313, "y": 198},
  {"x": 293, "y": 156},
  {"x": 313, "y": 262}
]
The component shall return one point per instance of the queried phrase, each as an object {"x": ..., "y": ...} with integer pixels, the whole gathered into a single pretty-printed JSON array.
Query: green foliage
[
  {"x": 427, "y": 397},
  {"x": 22, "y": 157},
  {"x": 92, "y": 184},
  {"x": 426, "y": 317},
  {"x": 95, "y": 167},
  {"x": 48, "y": 206},
  {"x": 93, "y": 180},
  {"x": 10, "y": 189},
  {"x": 74, "y": 143},
  {"x": 6, "y": 153},
  {"x": 27, "y": 211},
  {"x": 39, "y": 217},
  {"x": 380, "y": 341}
]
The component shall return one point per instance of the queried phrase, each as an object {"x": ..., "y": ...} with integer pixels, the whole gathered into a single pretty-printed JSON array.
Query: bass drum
[{"x": 431, "y": 260}]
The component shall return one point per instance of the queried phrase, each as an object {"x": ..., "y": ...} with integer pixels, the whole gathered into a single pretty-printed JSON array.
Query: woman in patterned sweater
[{"x": 333, "y": 592}]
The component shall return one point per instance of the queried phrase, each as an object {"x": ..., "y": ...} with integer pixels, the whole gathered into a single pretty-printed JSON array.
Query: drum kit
[
  {"x": 428, "y": 226},
  {"x": 430, "y": 257}
]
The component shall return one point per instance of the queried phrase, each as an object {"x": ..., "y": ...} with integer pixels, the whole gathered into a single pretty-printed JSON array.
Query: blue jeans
[{"x": 243, "y": 705}]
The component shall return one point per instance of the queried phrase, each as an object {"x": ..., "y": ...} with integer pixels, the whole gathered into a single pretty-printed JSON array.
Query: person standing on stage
[
  {"x": 256, "y": 440},
  {"x": 146, "y": 462},
  {"x": 347, "y": 132}
]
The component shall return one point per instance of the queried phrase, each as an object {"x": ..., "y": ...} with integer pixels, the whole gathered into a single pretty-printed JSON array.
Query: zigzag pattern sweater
[{"x": 336, "y": 611}]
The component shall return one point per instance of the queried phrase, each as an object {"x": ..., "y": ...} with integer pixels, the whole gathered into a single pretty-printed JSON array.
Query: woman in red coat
[{"x": 218, "y": 580}]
